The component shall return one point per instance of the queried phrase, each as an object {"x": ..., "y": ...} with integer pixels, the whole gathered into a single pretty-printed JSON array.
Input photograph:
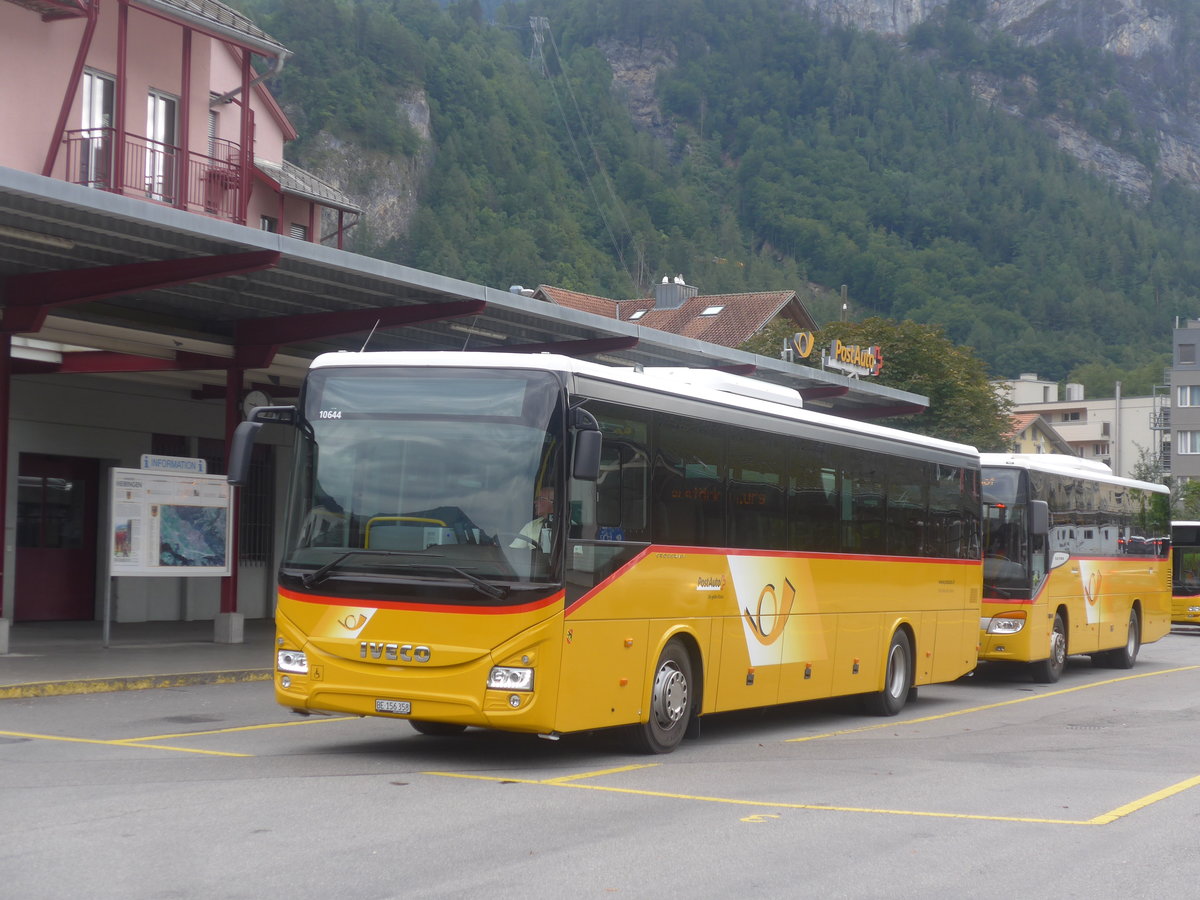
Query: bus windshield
[
  {"x": 1005, "y": 542},
  {"x": 420, "y": 473}
]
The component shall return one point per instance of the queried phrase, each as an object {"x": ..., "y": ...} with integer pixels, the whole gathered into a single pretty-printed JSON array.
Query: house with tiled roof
[
  {"x": 724, "y": 319},
  {"x": 1030, "y": 433},
  {"x": 164, "y": 101}
]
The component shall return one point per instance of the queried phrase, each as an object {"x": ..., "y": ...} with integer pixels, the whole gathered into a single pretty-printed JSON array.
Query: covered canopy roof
[{"x": 94, "y": 271}]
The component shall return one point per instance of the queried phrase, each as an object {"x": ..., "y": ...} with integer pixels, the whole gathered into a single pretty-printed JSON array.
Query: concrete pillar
[{"x": 228, "y": 628}]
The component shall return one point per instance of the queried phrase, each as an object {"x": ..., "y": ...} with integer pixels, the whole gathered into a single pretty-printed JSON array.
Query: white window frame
[
  {"x": 99, "y": 98},
  {"x": 1186, "y": 443},
  {"x": 162, "y": 131}
]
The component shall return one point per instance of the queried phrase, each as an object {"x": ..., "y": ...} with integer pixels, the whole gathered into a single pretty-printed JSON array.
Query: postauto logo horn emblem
[{"x": 776, "y": 612}]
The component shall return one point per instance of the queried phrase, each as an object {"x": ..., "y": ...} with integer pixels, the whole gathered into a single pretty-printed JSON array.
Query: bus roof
[
  {"x": 708, "y": 385},
  {"x": 1074, "y": 466}
]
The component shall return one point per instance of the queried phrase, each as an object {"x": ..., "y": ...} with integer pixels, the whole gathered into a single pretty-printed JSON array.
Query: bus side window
[
  {"x": 622, "y": 505},
  {"x": 813, "y": 498},
  {"x": 689, "y": 483},
  {"x": 757, "y": 507}
]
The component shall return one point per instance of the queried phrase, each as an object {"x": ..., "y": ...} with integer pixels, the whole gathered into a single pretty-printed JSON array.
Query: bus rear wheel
[
  {"x": 1048, "y": 671},
  {"x": 436, "y": 729},
  {"x": 897, "y": 679},
  {"x": 1124, "y": 657},
  {"x": 671, "y": 701}
]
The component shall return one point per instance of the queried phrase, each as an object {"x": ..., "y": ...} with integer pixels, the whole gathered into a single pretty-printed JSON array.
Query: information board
[{"x": 166, "y": 523}]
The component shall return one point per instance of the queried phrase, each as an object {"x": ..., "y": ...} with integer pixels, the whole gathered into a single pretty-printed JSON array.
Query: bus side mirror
[
  {"x": 242, "y": 445},
  {"x": 1039, "y": 518},
  {"x": 587, "y": 456},
  {"x": 240, "y": 451},
  {"x": 588, "y": 438}
]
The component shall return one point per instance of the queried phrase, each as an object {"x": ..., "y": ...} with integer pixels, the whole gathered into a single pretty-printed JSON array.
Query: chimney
[{"x": 672, "y": 293}]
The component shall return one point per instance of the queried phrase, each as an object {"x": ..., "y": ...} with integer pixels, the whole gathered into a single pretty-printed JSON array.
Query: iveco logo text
[{"x": 402, "y": 652}]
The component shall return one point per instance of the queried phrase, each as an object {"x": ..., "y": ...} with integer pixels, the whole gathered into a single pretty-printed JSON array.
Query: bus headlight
[
  {"x": 1006, "y": 624},
  {"x": 508, "y": 678},
  {"x": 293, "y": 661}
]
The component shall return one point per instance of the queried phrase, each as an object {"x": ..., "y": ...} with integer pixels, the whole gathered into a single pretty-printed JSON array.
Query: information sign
[{"x": 167, "y": 523}]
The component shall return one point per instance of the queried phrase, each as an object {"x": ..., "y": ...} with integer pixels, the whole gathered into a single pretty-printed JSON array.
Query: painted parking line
[
  {"x": 893, "y": 723},
  {"x": 144, "y": 742},
  {"x": 1102, "y": 819},
  {"x": 1107, "y": 818}
]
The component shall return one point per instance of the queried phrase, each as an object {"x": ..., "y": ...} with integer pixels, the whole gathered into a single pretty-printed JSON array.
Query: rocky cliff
[{"x": 1139, "y": 34}]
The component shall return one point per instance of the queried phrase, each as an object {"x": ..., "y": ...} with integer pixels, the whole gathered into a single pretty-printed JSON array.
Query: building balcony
[{"x": 210, "y": 183}]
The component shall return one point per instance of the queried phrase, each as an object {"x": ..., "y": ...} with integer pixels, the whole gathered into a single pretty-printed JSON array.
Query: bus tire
[
  {"x": 436, "y": 729},
  {"x": 671, "y": 702},
  {"x": 1124, "y": 657},
  {"x": 1050, "y": 669},
  {"x": 897, "y": 678}
]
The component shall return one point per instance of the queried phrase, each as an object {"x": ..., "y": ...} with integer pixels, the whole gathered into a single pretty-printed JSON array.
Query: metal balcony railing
[{"x": 206, "y": 183}]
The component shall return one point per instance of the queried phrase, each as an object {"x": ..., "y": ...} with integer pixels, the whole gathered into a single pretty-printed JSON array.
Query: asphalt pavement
[{"x": 53, "y": 658}]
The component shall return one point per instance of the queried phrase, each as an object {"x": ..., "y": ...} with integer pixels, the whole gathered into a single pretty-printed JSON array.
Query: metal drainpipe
[{"x": 1116, "y": 435}]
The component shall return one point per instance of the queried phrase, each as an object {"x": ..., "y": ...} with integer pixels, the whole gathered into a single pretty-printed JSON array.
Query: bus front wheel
[
  {"x": 671, "y": 701},
  {"x": 897, "y": 678},
  {"x": 1048, "y": 671}
]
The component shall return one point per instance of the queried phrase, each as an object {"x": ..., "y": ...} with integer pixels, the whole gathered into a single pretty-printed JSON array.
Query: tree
[{"x": 963, "y": 406}]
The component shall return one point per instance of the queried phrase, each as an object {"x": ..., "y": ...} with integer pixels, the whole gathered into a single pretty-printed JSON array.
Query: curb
[{"x": 130, "y": 683}]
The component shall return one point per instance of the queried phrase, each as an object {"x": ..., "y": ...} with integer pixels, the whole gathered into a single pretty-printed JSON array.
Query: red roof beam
[
  {"x": 29, "y": 298},
  {"x": 824, "y": 391},
  {"x": 106, "y": 362}
]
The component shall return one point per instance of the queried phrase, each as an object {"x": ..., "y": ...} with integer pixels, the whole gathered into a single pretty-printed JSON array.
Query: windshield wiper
[
  {"x": 484, "y": 587},
  {"x": 316, "y": 575}
]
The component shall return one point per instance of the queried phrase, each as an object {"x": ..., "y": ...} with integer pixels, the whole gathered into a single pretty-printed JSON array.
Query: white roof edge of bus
[
  {"x": 1061, "y": 464},
  {"x": 653, "y": 378},
  {"x": 1184, "y": 522}
]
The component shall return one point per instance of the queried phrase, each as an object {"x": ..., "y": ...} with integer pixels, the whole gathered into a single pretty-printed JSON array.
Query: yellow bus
[
  {"x": 537, "y": 544},
  {"x": 1185, "y": 573},
  {"x": 1073, "y": 563}
]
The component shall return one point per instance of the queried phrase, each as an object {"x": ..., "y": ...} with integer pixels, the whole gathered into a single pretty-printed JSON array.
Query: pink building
[{"x": 158, "y": 99}]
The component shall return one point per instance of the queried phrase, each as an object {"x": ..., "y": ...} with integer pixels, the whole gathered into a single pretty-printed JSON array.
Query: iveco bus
[{"x": 544, "y": 545}]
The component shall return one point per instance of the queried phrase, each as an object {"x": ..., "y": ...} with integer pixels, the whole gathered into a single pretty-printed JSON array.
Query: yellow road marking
[
  {"x": 571, "y": 781},
  {"x": 141, "y": 741},
  {"x": 734, "y": 801},
  {"x": 565, "y": 778},
  {"x": 128, "y": 742},
  {"x": 183, "y": 734},
  {"x": 1143, "y": 802},
  {"x": 893, "y": 723}
]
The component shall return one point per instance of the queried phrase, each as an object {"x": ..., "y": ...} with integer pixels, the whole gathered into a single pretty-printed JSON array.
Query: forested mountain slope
[{"x": 760, "y": 144}]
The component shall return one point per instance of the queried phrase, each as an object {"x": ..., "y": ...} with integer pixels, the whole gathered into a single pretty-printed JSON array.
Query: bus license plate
[{"x": 403, "y": 707}]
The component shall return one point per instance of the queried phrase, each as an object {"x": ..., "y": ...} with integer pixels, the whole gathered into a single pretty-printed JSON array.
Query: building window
[
  {"x": 1070, "y": 416},
  {"x": 1188, "y": 395},
  {"x": 711, "y": 310},
  {"x": 1187, "y": 354},
  {"x": 299, "y": 232},
  {"x": 95, "y": 147},
  {"x": 1187, "y": 442},
  {"x": 636, "y": 314},
  {"x": 160, "y": 162},
  {"x": 269, "y": 223},
  {"x": 214, "y": 131}
]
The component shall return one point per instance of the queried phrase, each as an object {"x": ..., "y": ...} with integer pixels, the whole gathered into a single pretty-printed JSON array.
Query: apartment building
[{"x": 1117, "y": 431}]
